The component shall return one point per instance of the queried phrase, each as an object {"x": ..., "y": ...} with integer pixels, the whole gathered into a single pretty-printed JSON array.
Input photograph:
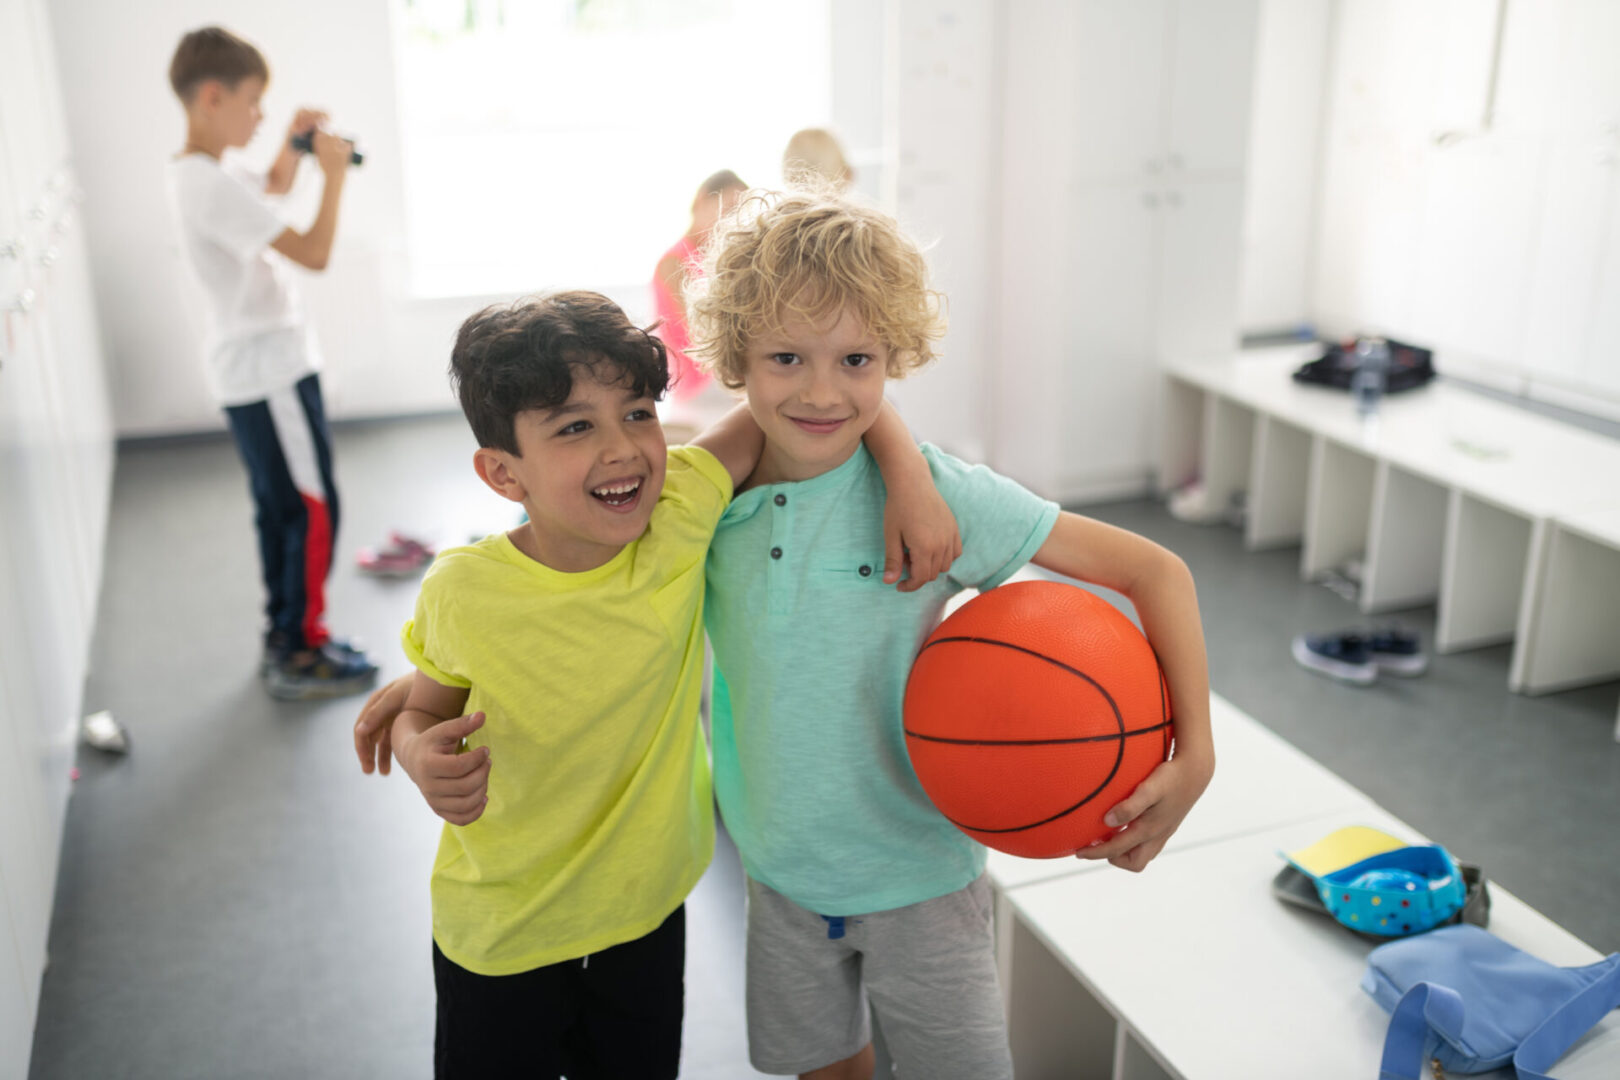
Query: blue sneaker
[
  {"x": 276, "y": 651},
  {"x": 1397, "y": 651},
  {"x": 1342, "y": 656},
  {"x": 331, "y": 671}
]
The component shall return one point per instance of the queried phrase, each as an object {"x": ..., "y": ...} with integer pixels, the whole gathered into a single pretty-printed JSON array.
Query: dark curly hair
[{"x": 510, "y": 358}]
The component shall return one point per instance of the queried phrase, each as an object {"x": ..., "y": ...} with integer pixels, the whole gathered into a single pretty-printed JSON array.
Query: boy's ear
[{"x": 494, "y": 468}]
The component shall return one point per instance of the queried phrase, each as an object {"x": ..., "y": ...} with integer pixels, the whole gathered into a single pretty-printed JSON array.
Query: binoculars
[{"x": 306, "y": 143}]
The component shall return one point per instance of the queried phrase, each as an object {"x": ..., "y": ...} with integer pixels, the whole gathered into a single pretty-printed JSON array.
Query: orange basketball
[{"x": 1031, "y": 712}]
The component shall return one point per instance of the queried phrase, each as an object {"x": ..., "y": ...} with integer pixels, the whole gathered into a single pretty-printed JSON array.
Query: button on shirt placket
[{"x": 778, "y": 573}]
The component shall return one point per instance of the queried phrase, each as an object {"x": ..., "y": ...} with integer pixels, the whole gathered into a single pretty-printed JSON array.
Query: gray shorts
[{"x": 928, "y": 971}]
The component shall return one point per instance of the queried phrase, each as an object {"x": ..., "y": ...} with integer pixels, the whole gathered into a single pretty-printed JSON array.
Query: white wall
[
  {"x": 945, "y": 74},
  {"x": 1285, "y": 151},
  {"x": 385, "y": 349},
  {"x": 1498, "y": 246},
  {"x": 1123, "y": 148}
]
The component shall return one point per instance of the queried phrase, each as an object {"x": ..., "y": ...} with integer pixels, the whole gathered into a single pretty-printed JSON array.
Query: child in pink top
[{"x": 715, "y": 198}]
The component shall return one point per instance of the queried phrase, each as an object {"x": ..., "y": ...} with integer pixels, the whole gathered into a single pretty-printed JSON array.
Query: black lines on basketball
[
  {"x": 1038, "y": 719},
  {"x": 1111, "y": 737}
]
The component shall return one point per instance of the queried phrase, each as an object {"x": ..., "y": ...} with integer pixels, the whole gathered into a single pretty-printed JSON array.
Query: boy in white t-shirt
[{"x": 262, "y": 357}]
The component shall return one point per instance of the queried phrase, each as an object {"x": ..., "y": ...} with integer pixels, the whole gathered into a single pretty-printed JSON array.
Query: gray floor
[{"x": 236, "y": 900}]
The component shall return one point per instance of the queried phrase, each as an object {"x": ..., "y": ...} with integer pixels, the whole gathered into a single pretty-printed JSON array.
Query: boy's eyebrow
[
  {"x": 564, "y": 409},
  {"x": 572, "y": 406},
  {"x": 785, "y": 344}
]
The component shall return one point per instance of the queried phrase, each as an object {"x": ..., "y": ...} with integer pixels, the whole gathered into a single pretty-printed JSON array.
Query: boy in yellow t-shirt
[{"x": 567, "y": 654}]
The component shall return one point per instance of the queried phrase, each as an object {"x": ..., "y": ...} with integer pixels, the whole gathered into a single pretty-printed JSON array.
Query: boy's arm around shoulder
[
  {"x": 918, "y": 526},
  {"x": 1161, "y": 587},
  {"x": 427, "y": 735},
  {"x": 736, "y": 442}
]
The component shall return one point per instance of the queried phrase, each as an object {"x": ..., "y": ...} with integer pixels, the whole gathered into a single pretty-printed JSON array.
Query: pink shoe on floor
[{"x": 402, "y": 557}]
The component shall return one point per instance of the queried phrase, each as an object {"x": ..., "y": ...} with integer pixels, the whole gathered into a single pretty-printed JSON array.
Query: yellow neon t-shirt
[{"x": 599, "y": 819}]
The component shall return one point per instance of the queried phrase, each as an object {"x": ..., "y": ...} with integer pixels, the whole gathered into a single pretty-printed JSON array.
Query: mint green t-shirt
[{"x": 812, "y": 651}]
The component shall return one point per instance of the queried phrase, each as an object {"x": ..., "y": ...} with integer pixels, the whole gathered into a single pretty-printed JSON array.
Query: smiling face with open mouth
[
  {"x": 814, "y": 387},
  {"x": 591, "y": 471}
]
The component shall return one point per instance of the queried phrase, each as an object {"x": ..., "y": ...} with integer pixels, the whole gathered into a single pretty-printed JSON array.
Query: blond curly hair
[{"x": 809, "y": 255}]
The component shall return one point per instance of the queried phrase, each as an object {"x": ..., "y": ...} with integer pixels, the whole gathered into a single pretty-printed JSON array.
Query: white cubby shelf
[{"x": 1507, "y": 520}]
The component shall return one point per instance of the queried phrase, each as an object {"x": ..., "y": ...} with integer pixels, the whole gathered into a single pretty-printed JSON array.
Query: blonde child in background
[{"x": 813, "y": 158}]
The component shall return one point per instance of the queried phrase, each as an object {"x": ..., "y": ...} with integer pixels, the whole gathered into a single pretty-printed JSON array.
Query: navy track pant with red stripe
[{"x": 287, "y": 448}]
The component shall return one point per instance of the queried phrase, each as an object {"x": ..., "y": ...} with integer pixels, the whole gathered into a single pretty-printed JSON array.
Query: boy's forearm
[
  {"x": 890, "y": 443},
  {"x": 323, "y": 232},
  {"x": 411, "y": 723},
  {"x": 736, "y": 441},
  {"x": 1167, "y": 603},
  {"x": 279, "y": 180},
  {"x": 1161, "y": 588}
]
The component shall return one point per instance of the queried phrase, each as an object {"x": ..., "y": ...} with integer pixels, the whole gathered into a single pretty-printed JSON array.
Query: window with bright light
[{"x": 558, "y": 143}]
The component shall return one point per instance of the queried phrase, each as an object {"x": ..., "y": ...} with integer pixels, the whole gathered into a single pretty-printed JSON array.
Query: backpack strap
[
  {"x": 1427, "y": 1009},
  {"x": 1423, "y": 1011},
  {"x": 1574, "y": 1018}
]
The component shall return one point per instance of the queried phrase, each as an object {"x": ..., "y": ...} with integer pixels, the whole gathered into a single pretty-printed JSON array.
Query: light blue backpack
[{"x": 1467, "y": 999}]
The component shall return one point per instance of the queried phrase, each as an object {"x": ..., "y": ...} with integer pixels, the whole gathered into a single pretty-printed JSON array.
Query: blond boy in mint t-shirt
[{"x": 859, "y": 891}]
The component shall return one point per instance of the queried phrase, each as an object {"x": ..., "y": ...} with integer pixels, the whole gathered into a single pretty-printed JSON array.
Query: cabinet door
[
  {"x": 1211, "y": 79},
  {"x": 1200, "y": 270},
  {"x": 1037, "y": 136},
  {"x": 1566, "y": 269},
  {"x": 1109, "y": 373},
  {"x": 1600, "y": 368},
  {"x": 49, "y": 114},
  {"x": 34, "y": 679},
  {"x": 1470, "y": 282},
  {"x": 26, "y": 124},
  {"x": 16, "y": 1008},
  {"x": 25, "y": 870},
  {"x": 42, "y": 597},
  {"x": 82, "y": 410},
  {"x": 1117, "y": 53}
]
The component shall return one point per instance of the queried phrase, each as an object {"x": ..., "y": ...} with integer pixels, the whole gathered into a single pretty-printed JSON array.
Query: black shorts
[{"x": 613, "y": 1015}]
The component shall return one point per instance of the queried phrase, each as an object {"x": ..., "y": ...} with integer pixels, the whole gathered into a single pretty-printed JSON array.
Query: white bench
[
  {"x": 1508, "y": 521},
  {"x": 1192, "y": 969}
]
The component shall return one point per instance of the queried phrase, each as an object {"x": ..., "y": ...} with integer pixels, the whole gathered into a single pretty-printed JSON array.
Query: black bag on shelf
[{"x": 1409, "y": 366}]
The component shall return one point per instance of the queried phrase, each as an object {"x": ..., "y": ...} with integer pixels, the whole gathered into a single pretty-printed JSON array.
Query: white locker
[
  {"x": 56, "y": 454},
  {"x": 1123, "y": 181}
]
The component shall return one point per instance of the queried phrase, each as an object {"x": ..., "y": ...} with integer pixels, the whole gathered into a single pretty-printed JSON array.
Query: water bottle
[{"x": 1372, "y": 372}]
